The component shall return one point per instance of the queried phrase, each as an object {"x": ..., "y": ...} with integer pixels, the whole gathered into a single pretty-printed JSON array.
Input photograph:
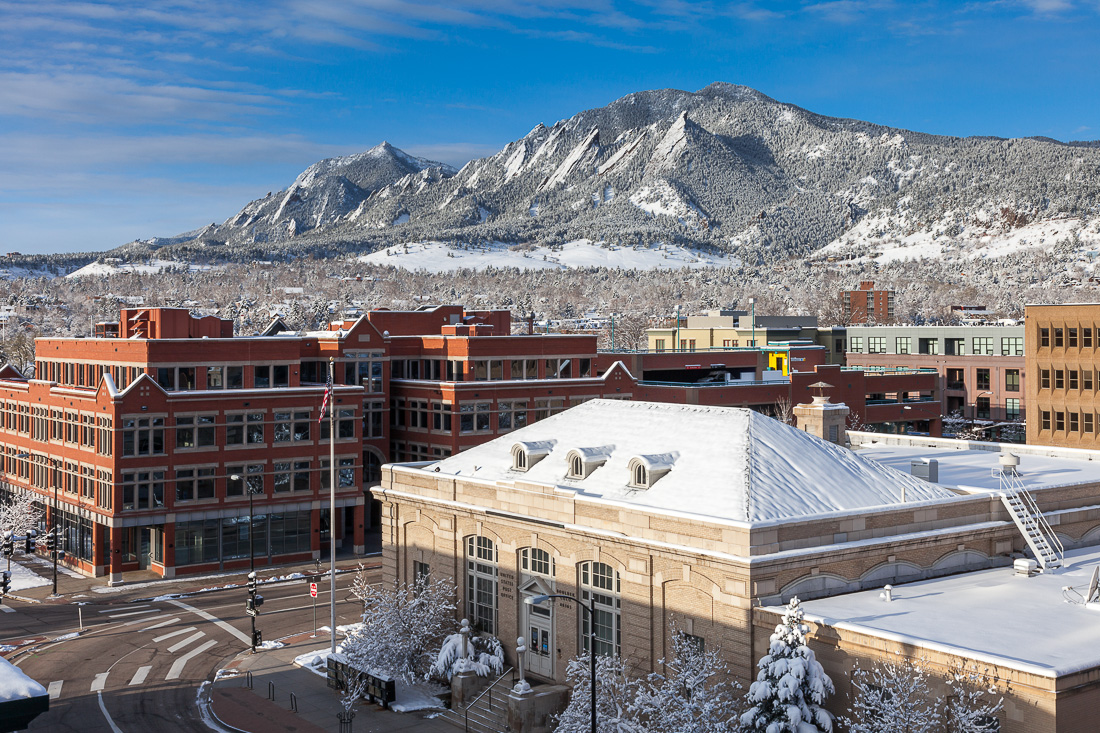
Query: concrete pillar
[
  {"x": 823, "y": 418},
  {"x": 113, "y": 564},
  {"x": 360, "y": 522},
  {"x": 533, "y": 711}
]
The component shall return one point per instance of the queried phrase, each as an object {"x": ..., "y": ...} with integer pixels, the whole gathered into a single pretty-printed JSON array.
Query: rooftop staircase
[{"x": 1042, "y": 540}]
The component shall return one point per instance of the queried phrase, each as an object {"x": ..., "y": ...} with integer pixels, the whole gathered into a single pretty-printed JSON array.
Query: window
[
  {"x": 1046, "y": 420},
  {"x": 345, "y": 424},
  {"x": 261, "y": 377},
  {"x": 195, "y": 432},
  {"x": 1086, "y": 338},
  {"x": 474, "y": 418},
  {"x": 1012, "y": 380},
  {"x": 234, "y": 429},
  {"x": 1072, "y": 374},
  {"x": 251, "y": 477},
  {"x": 283, "y": 480},
  {"x": 955, "y": 379},
  {"x": 142, "y": 436},
  {"x": 534, "y": 560},
  {"x": 981, "y": 408},
  {"x": 1059, "y": 379},
  {"x": 658, "y": 345},
  {"x": 1044, "y": 379},
  {"x": 234, "y": 377},
  {"x": 511, "y": 415},
  {"x": 560, "y": 368},
  {"x": 1059, "y": 341},
  {"x": 1012, "y": 346},
  {"x": 983, "y": 345},
  {"x": 1044, "y": 337},
  {"x": 954, "y": 346},
  {"x": 281, "y": 428},
  {"x": 215, "y": 377},
  {"x": 280, "y": 375},
  {"x": 481, "y": 583},
  {"x": 876, "y": 345},
  {"x": 1012, "y": 408},
  {"x": 600, "y": 583},
  {"x": 1086, "y": 379},
  {"x": 143, "y": 490},
  {"x": 422, "y": 572},
  {"x": 1071, "y": 338},
  {"x": 902, "y": 344},
  {"x": 254, "y": 423},
  {"x": 928, "y": 346},
  {"x": 576, "y": 467},
  {"x": 1074, "y": 426},
  {"x": 855, "y": 344},
  {"x": 981, "y": 380},
  {"x": 345, "y": 473},
  {"x": 194, "y": 483},
  {"x": 1059, "y": 420},
  {"x": 549, "y": 406},
  {"x": 1086, "y": 422},
  {"x": 640, "y": 476},
  {"x": 197, "y": 542},
  {"x": 374, "y": 419}
]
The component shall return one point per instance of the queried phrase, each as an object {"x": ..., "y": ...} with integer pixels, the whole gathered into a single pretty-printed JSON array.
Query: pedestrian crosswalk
[{"x": 178, "y": 645}]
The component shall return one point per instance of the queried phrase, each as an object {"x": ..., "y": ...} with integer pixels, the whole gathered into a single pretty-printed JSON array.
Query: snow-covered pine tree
[
  {"x": 791, "y": 686},
  {"x": 892, "y": 697},
  {"x": 484, "y": 656}
]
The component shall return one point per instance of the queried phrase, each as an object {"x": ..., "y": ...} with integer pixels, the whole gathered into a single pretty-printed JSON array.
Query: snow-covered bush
[
  {"x": 19, "y": 512},
  {"x": 402, "y": 623},
  {"x": 892, "y": 697},
  {"x": 791, "y": 686},
  {"x": 615, "y": 695},
  {"x": 970, "y": 707},
  {"x": 484, "y": 656}
]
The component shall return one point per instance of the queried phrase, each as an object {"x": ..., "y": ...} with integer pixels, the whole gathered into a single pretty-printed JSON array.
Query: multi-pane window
[
  {"x": 981, "y": 406},
  {"x": 1072, "y": 374},
  {"x": 374, "y": 419},
  {"x": 1086, "y": 379},
  {"x": 876, "y": 345},
  {"x": 1012, "y": 408},
  {"x": 474, "y": 417},
  {"x": 441, "y": 417},
  {"x": 1059, "y": 339},
  {"x": 548, "y": 406},
  {"x": 1012, "y": 380},
  {"x": 1074, "y": 425},
  {"x": 291, "y": 476},
  {"x": 956, "y": 378},
  {"x": 345, "y": 473},
  {"x": 563, "y": 368},
  {"x": 291, "y": 426},
  {"x": 234, "y": 377},
  {"x": 1044, "y": 379},
  {"x": 1086, "y": 338},
  {"x": 142, "y": 436},
  {"x": 1071, "y": 338},
  {"x": 1045, "y": 422},
  {"x": 367, "y": 373},
  {"x": 422, "y": 572},
  {"x": 195, "y": 431},
  {"x": 1059, "y": 379},
  {"x": 345, "y": 424},
  {"x": 600, "y": 583},
  {"x": 143, "y": 490},
  {"x": 529, "y": 368},
  {"x": 658, "y": 345},
  {"x": 511, "y": 415},
  {"x": 1044, "y": 337},
  {"x": 983, "y": 345},
  {"x": 215, "y": 377},
  {"x": 534, "y": 560},
  {"x": 250, "y": 477},
  {"x": 1059, "y": 420},
  {"x": 1087, "y": 422},
  {"x": 855, "y": 344},
  {"x": 1012, "y": 346},
  {"x": 981, "y": 378},
  {"x": 194, "y": 483},
  {"x": 481, "y": 583},
  {"x": 902, "y": 344}
]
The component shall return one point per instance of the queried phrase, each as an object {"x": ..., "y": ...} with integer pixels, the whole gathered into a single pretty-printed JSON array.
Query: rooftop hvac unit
[{"x": 925, "y": 468}]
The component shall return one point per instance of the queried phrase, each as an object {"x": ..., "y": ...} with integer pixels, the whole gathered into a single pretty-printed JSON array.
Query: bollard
[
  {"x": 293, "y": 702},
  {"x": 248, "y": 679},
  {"x": 270, "y": 690}
]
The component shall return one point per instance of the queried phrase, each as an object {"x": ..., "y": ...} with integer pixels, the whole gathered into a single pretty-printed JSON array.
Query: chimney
[{"x": 822, "y": 418}]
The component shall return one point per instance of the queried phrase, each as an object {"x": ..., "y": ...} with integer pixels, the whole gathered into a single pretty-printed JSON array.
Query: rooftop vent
[
  {"x": 925, "y": 468},
  {"x": 525, "y": 455},
  {"x": 581, "y": 462}
]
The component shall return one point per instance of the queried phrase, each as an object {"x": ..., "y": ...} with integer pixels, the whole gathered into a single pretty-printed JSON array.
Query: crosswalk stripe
[
  {"x": 186, "y": 642},
  {"x": 134, "y": 613},
  {"x": 179, "y": 664},
  {"x": 142, "y": 620},
  {"x": 7, "y": 609},
  {"x": 162, "y": 623},
  {"x": 99, "y": 682},
  {"x": 159, "y": 639},
  {"x": 140, "y": 675},
  {"x": 112, "y": 610},
  {"x": 210, "y": 617},
  {"x": 55, "y": 689}
]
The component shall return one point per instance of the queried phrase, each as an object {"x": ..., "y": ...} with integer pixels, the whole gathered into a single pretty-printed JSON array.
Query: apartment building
[
  {"x": 982, "y": 368},
  {"x": 733, "y": 329},
  {"x": 1063, "y": 354},
  {"x": 868, "y": 305}
]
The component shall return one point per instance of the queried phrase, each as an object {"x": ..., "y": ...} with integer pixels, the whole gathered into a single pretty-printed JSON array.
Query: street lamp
[
  {"x": 591, "y": 609},
  {"x": 251, "y": 553},
  {"x": 752, "y": 302}
]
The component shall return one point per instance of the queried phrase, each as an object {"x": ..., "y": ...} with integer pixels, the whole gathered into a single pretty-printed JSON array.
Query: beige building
[
  {"x": 732, "y": 329},
  {"x": 1062, "y": 354}
]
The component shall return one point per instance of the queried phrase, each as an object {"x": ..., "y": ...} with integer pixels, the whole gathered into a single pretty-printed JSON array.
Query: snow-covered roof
[
  {"x": 994, "y": 616},
  {"x": 724, "y": 463},
  {"x": 972, "y": 470}
]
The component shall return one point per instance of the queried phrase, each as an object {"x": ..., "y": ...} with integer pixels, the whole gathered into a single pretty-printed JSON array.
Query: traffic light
[
  {"x": 257, "y": 638},
  {"x": 9, "y": 544},
  {"x": 259, "y": 601},
  {"x": 252, "y": 582},
  {"x": 51, "y": 543},
  {"x": 5, "y": 583},
  {"x": 28, "y": 548}
]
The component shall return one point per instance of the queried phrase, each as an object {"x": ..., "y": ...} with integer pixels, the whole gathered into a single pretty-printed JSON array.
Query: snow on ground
[
  {"x": 21, "y": 273},
  {"x": 148, "y": 267},
  {"x": 23, "y": 578},
  {"x": 48, "y": 565},
  {"x": 972, "y": 470},
  {"x": 421, "y": 696},
  {"x": 16, "y": 685},
  {"x": 272, "y": 645},
  {"x": 989, "y": 615},
  {"x": 445, "y": 257}
]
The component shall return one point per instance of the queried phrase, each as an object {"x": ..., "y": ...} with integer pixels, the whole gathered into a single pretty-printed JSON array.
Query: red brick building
[{"x": 868, "y": 305}]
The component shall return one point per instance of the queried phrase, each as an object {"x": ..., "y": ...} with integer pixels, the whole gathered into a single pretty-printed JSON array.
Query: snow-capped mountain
[{"x": 725, "y": 168}]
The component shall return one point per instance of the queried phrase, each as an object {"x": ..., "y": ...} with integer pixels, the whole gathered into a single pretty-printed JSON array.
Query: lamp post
[
  {"x": 591, "y": 609},
  {"x": 56, "y": 537},
  {"x": 251, "y": 552},
  {"x": 752, "y": 303}
]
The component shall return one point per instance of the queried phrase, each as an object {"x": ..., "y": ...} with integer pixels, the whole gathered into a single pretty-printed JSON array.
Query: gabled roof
[{"x": 730, "y": 463}]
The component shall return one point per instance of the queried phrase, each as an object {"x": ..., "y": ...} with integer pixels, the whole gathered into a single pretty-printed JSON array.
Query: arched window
[
  {"x": 481, "y": 583},
  {"x": 599, "y": 581},
  {"x": 536, "y": 561},
  {"x": 640, "y": 477},
  {"x": 576, "y": 467},
  {"x": 519, "y": 460}
]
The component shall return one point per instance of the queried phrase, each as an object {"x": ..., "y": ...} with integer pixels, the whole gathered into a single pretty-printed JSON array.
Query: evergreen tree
[{"x": 791, "y": 686}]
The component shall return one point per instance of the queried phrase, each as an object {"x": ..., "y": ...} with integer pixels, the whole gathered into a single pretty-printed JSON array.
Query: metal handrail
[{"x": 487, "y": 691}]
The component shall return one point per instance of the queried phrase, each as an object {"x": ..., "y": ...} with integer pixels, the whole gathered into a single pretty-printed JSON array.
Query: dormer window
[
  {"x": 526, "y": 455},
  {"x": 581, "y": 462},
  {"x": 646, "y": 470}
]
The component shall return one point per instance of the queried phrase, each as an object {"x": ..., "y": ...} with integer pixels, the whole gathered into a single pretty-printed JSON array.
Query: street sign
[
  {"x": 313, "y": 590},
  {"x": 251, "y": 611}
]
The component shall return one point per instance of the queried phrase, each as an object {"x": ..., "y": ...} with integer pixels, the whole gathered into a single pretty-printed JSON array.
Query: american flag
[{"x": 325, "y": 401}]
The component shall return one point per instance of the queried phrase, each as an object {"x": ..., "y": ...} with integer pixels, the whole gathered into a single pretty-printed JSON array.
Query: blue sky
[{"x": 125, "y": 120}]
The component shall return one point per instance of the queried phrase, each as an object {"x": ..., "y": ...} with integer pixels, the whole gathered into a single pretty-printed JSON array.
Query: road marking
[
  {"x": 7, "y": 609},
  {"x": 157, "y": 626},
  {"x": 55, "y": 689},
  {"x": 114, "y": 728},
  {"x": 134, "y": 613},
  {"x": 174, "y": 633},
  {"x": 140, "y": 675},
  {"x": 209, "y": 617},
  {"x": 179, "y": 664},
  {"x": 99, "y": 682},
  {"x": 186, "y": 642},
  {"x": 141, "y": 620},
  {"x": 112, "y": 610}
]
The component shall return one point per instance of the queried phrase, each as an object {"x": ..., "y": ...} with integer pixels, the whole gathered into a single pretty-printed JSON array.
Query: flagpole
[{"x": 332, "y": 506}]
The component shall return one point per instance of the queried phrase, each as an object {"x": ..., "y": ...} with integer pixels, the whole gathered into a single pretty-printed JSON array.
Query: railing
[
  {"x": 480, "y": 721},
  {"x": 739, "y": 383}
]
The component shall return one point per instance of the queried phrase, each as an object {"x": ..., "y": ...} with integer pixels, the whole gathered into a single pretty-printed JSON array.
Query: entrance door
[
  {"x": 540, "y": 645},
  {"x": 145, "y": 549}
]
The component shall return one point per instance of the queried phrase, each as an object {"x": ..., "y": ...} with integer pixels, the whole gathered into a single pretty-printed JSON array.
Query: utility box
[
  {"x": 925, "y": 468},
  {"x": 1025, "y": 566}
]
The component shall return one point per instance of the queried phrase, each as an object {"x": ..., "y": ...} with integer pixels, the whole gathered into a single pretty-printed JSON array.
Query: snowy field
[
  {"x": 148, "y": 267},
  {"x": 443, "y": 257},
  {"x": 990, "y": 615}
]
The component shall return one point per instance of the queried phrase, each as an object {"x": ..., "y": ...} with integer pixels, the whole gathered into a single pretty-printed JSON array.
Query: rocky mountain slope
[{"x": 725, "y": 168}]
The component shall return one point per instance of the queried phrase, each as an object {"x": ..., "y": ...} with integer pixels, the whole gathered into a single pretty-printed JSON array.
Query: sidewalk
[{"x": 242, "y": 709}]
